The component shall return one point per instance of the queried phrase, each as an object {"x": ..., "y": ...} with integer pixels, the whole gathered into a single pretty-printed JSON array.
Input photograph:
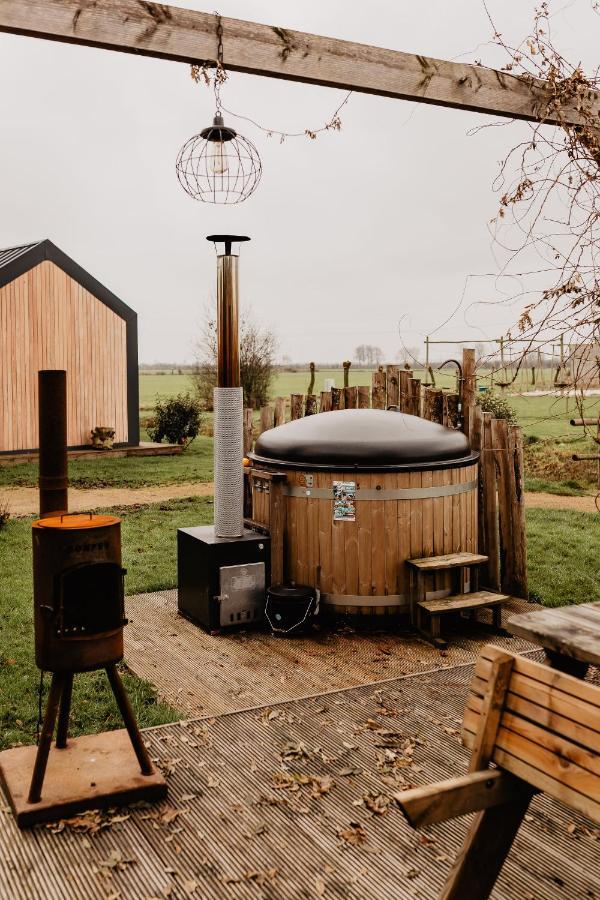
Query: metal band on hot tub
[
  {"x": 402, "y": 601},
  {"x": 445, "y": 490}
]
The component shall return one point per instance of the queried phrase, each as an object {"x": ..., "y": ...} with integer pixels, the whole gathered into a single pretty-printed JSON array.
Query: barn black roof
[
  {"x": 363, "y": 439},
  {"x": 15, "y": 261}
]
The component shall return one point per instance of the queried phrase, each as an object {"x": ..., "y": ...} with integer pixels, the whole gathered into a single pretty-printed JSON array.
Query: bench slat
[
  {"x": 548, "y": 718},
  {"x": 556, "y": 701},
  {"x": 544, "y": 674},
  {"x": 544, "y": 780},
  {"x": 523, "y": 736}
]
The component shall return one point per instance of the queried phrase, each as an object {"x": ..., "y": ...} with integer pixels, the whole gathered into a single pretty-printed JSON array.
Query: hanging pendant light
[{"x": 218, "y": 165}]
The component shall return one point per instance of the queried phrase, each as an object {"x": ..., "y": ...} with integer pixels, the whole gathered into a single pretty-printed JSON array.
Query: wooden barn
[{"x": 54, "y": 315}]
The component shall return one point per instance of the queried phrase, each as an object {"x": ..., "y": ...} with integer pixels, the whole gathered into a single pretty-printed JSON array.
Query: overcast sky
[{"x": 352, "y": 234}]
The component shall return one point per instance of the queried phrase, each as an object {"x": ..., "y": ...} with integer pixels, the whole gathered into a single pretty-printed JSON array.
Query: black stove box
[{"x": 222, "y": 582}]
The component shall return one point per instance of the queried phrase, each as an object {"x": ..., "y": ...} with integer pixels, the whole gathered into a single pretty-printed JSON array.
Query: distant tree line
[{"x": 368, "y": 355}]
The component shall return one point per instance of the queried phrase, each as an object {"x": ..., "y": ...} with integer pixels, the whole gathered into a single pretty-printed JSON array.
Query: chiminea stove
[{"x": 79, "y": 616}]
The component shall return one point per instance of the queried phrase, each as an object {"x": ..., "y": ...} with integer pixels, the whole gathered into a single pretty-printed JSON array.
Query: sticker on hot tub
[{"x": 344, "y": 501}]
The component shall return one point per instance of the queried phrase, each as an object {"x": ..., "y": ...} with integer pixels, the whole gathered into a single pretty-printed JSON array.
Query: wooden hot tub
[{"x": 364, "y": 491}]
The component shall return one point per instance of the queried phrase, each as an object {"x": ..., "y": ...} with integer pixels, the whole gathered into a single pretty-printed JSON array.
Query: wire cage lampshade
[{"x": 218, "y": 165}]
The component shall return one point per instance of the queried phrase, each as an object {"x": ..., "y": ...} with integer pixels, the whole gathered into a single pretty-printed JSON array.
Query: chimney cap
[{"x": 228, "y": 240}]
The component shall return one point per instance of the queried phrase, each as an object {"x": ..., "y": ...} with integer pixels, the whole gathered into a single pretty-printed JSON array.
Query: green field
[
  {"x": 284, "y": 384},
  {"x": 539, "y": 416}
]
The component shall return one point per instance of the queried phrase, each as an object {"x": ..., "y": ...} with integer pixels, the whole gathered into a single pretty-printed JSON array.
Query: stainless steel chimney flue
[{"x": 228, "y": 395}]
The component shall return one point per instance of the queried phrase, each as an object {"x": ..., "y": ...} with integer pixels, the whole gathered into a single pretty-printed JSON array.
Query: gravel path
[{"x": 24, "y": 501}]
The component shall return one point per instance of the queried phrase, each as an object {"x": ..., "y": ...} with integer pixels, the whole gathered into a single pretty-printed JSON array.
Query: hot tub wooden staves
[{"x": 412, "y": 509}]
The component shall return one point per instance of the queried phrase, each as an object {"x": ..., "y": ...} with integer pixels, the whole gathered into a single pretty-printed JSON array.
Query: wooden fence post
[
  {"x": 325, "y": 401},
  {"x": 392, "y": 378},
  {"x": 248, "y": 431},
  {"x": 415, "y": 397},
  {"x": 500, "y": 441},
  {"x": 469, "y": 386},
  {"x": 350, "y": 397},
  {"x": 310, "y": 405},
  {"x": 267, "y": 418},
  {"x": 451, "y": 415},
  {"x": 337, "y": 398},
  {"x": 405, "y": 398},
  {"x": 364, "y": 396},
  {"x": 433, "y": 406},
  {"x": 491, "y": 541},
  {"x": 378, "y": 389},
  {"x": 519, "y": 537},
  {"x": 297, "y": 403},
  {"x": 346, "y": 365},
  {"x": 279, "y": 411}
]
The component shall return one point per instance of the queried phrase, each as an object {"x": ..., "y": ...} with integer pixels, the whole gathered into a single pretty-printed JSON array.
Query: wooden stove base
[{"x": 92, "y": 771}]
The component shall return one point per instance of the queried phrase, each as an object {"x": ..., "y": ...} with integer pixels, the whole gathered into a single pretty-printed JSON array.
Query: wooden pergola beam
[{"x": 168, "y": 32}]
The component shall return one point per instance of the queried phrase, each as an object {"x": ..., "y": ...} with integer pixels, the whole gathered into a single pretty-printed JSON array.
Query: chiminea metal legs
[
  {"x": 129, "y": 719},
  {"x": 41, "y": 758},
  {"x": 59, "y": 698}
]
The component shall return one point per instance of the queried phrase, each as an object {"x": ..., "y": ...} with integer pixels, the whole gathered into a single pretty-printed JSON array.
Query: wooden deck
[
  {"x": 296, "y": 801},
  {"x": 144, "y": 448},
  {"x": 203, "y": 674}
]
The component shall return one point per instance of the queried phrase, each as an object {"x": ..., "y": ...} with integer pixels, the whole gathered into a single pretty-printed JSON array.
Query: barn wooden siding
[{"x": 49, "y": 321}]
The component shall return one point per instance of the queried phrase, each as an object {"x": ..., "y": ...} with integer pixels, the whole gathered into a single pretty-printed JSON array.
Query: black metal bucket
[{"x": 290, "y": 609}]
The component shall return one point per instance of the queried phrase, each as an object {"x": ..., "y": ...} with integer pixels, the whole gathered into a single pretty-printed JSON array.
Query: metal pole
[
  {"x": 228, "y": 395},
  {"x": 53, "y": 472},
  {"x": 228, "y": 344}
]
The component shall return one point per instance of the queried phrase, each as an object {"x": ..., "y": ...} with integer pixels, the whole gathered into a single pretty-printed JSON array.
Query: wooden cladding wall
[{"x": 49, "y": 321}]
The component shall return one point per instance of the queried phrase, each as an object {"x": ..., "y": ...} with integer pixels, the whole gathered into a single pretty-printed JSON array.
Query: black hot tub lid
[{"x": 363, "y": 439}]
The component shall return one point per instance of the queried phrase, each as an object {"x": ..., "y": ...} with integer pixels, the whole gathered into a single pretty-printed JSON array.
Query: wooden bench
[
  {"x": 426, "y": 614},
  {"x": 541, "y": 729}
]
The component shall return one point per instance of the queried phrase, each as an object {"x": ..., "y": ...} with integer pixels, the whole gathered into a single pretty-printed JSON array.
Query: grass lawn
[
  {"x": 563, "y": 552},
  {"x": 149, "y": 551},
  {"x": 563, "y": 549},
  {"x": 194, "y": 464}
]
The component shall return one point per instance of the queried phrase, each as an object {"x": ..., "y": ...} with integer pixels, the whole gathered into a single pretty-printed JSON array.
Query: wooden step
[
  {"x": 450, "y": 561},
  {"x": 458, "y": 602}
]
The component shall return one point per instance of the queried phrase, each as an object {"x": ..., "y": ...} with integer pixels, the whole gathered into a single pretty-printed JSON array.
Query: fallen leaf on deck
[
  {"x": 320, "y": 887},
  {"x": 353, "y": 834},
  {"x": 321, "y": 784},
  {"x": 378, "y": 804},
  {"x": 116, "y": 860},
  {"x": 294, "y": 751}
]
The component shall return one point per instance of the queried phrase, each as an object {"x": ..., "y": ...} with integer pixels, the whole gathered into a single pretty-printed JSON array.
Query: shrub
[
  {"x": 178, "y": 419},
  {"x": 4, "y": 513},
  {"x": 498, "y": 406},
  {"x": 257, "y": 362}
]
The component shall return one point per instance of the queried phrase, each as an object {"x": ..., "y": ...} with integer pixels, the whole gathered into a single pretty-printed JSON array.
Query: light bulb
[{"x": 218, "y": 160}]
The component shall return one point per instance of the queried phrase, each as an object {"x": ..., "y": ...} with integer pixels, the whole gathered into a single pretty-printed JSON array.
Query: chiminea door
[{"x": 90, "y": 600}]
